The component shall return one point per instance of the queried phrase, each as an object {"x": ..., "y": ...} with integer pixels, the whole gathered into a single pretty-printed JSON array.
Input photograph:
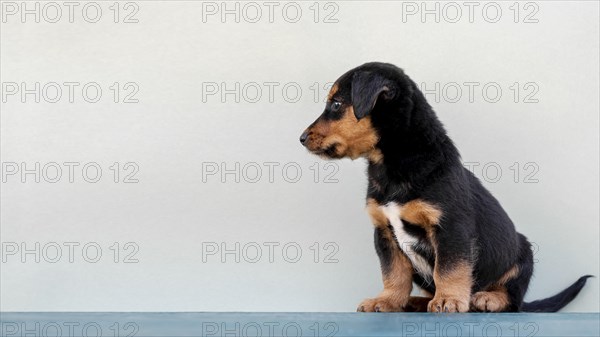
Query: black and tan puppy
[{"x": 435, "y": 224}]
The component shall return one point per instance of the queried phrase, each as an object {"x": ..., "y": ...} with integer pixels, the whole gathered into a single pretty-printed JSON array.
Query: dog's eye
[{"x": 335, "y": 106}]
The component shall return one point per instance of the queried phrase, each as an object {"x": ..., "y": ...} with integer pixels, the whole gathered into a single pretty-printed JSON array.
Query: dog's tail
[{"x": 558, "y": 301}]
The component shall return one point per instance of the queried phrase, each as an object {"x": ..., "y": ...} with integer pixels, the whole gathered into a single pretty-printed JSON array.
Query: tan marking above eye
[{"x": 333, "y": 91}]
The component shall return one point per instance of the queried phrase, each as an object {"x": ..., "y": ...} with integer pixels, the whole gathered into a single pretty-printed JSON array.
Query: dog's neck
[{"x": 407, "y": 160}]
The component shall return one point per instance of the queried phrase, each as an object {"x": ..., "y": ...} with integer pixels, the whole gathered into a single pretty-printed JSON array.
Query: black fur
[
  {"x": 420, "y": 161},
  {"x": 366, "y": 89},
  {"x": 385, "y": 250},
  {"x": 558, "y": 301}
]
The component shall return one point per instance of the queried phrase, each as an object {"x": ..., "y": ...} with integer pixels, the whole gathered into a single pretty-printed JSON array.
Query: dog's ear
[{"x": 367, "y": 88}]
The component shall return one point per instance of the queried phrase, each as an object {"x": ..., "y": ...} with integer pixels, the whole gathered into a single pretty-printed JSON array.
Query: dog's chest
[{"x": 406, "y": 241}]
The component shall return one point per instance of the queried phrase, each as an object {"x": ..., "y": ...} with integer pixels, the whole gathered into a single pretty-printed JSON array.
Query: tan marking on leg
[
  {"x": 400, "y": 277},
  {"x": 494, "y": 299},
  {"x": 421, "y": 213},
  {"x": 509, "y": 275},
  {"x": 397, "y": 282},
  {"x": 375, "y": 213},
  {"x": 453, "y": 288},
  {"x": 397, "y": 286}
]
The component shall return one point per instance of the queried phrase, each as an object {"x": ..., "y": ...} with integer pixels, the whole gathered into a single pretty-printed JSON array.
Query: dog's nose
[{"x": 304, "y": 137}]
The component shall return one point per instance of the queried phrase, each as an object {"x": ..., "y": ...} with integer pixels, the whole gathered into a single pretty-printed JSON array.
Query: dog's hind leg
[{"x": 507, "y": 293}]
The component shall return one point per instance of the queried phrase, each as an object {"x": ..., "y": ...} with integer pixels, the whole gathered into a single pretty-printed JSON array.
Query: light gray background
[{"x": 171, "y": 132}]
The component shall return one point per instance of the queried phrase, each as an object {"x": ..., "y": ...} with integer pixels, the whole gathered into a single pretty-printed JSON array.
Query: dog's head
[{"x": 345, "y": 128}]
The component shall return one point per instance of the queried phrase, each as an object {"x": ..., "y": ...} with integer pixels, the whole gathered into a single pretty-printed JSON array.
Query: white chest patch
[{"x": 392, "y": 212}]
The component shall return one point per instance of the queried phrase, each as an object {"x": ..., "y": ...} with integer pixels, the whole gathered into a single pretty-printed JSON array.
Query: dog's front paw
[
  {"x": 448, "y": 304},
  {"x": 381, "y": 304}
]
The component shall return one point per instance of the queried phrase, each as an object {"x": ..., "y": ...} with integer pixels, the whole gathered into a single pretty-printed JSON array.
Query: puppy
[{"x": 435, "y": 225}]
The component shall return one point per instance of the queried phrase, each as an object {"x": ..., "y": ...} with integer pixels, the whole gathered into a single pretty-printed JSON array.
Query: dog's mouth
[{"x": 328, "y": 152}]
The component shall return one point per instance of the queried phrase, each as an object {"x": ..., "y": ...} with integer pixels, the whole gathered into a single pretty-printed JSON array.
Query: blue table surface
[{"x": 296, "y": 324}]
